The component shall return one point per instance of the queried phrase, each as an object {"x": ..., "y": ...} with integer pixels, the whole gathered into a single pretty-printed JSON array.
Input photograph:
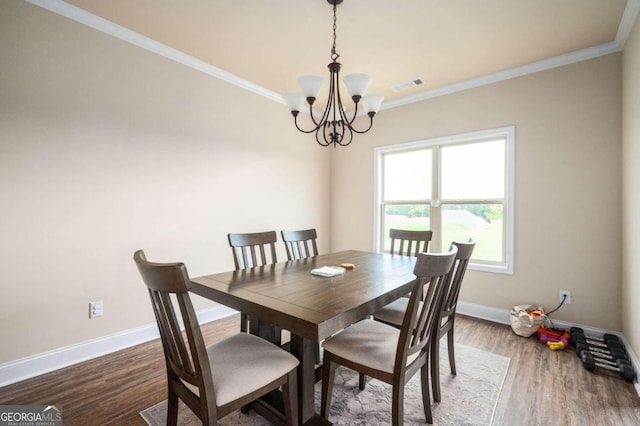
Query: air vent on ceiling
[{"x": 407, "y": 84}]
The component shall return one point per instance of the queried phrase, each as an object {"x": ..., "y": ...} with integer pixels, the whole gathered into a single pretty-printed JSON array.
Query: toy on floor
[{"x": 553, "y": 337}]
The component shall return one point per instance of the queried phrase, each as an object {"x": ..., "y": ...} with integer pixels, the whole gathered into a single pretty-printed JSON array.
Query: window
[{"x": 459, "y": 187}]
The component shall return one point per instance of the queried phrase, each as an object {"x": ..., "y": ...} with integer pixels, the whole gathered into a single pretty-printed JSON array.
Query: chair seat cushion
[
  {"x": 243, "y": 363},
  {"x": 393, "y": 313},
  {"x": 367, "y": 342}
]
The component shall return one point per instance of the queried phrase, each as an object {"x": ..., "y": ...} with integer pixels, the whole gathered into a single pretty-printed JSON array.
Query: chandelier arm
[
  {"x": 330, "y": 100},
  {"x": 355, "y": 114},
  {"x": 317, "y": 123},
  {"x": 365, "y": 130},
  {"x": 330, "y": 132},
  {"x": 325, "y": 143},
  {"x": 348, "y": 122},
  {"x": 350, "y": 137},
  {"x": 295, "y": 121},
  {"x": 327, "y": 121},
  {"x": 343, "y": 114},
  {"x": 329, "y": 139}
]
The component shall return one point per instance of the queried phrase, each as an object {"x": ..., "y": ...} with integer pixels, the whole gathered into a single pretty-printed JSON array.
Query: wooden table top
[{"x": 288, "y": 295}]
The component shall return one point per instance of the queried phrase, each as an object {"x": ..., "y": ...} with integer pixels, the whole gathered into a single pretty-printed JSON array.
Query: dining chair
[
  {"x": 393, "y": 314},
  {"x": 211, "y": 380},
  {"x": 247, "y": 247},
  {"x": 251, "y": 250},
  {"x": 406, "y": 243},
  {"x": 390, "y": 354},
  {"x": 447, "y": 318},
  {"x": 297, "y": 243},
  {"x": 409, "y": 243}
]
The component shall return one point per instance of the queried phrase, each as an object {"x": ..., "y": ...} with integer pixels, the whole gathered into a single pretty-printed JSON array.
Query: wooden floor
[{"x": 542, "y": 387}]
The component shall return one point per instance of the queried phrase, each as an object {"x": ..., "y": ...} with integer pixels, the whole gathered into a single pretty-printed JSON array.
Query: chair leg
[
  {"x": 243, "y": 322},
  {"x": 328, "y": 374},
  {"x": 362, "y": 381},
  {"x": 290, "y": 395},
  {"x": 426, "y": 400},
  {"x": 172, "y": 409},
  {"x": 450, "y": 345},
  {"x": 434, "y": 362},
  {"x": 397, "y": 404}
]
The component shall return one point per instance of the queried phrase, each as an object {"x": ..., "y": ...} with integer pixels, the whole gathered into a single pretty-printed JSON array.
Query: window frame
[{"x": 508, "y": 133}]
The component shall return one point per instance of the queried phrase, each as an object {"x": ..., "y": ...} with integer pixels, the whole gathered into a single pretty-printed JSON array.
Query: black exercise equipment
[
  {"x": 606, "y": 352},
  {"x": 622, "y": 367},
  {"x": 612, "y": 354},
  {"x": 608, "y": 341}
]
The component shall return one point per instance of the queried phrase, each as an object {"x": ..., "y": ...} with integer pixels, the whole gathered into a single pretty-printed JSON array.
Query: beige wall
[
  {"x": 630, "y": 188},
  {"x": 106, "y": 148},
  {"x": 567, "y": 184}
]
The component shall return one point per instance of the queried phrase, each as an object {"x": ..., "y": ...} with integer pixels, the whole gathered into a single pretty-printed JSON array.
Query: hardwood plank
[{"x": 541, "y": 387}]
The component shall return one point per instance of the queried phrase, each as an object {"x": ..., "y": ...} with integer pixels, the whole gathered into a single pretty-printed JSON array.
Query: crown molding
[
  {"x": 89, "y": 19},
  {"x": 82, "y": 16},
  {"x": 534, "y": 67},
  {"x": 628, "y": 20}
]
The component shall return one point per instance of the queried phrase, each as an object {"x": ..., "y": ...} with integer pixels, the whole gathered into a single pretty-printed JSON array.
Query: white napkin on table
[{"x": 328, "y": 271}]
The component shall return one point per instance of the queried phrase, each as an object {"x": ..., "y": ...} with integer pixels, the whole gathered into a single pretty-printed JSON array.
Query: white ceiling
[{"x": 450, "y": 44}]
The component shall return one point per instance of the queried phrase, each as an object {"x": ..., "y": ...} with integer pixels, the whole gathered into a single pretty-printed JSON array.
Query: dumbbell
[
  {"x": 622, "y": 367},
  {"x": 577, "y": 331},
  {"x": 611, "y": 345},
  {"x": 605, "y": 359},
  {"x": 611, "y": 342},
  {"x": 605, "y": 338},
  {"x": 611, "y": 355}
]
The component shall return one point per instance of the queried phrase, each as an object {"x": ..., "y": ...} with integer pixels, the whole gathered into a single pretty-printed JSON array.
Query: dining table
[{"x": 311, "y": 307}]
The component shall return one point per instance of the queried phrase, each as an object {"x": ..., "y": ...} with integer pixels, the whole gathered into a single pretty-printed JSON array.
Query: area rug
[{"x": 469, "y": 398}]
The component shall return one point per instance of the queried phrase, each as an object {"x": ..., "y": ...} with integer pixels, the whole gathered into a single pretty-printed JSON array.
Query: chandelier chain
[{"x": 334, "y": 55}]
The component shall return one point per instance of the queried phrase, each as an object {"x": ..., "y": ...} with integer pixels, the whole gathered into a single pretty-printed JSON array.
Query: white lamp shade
[
  {"x": 357, "y": 84},
  {"x": 293, "y": 100},
  {"x": 372, "y": 102},
  {"x": 310, "y": 85}
]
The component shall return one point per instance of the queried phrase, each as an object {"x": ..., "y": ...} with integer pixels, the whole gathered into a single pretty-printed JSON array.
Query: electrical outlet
[
  {"x": 566, "y": 293},
  {"x": 96, "y": 309}
]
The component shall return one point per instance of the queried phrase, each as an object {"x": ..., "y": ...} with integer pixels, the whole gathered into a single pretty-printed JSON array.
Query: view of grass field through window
[{"x": 459, "y": 224}]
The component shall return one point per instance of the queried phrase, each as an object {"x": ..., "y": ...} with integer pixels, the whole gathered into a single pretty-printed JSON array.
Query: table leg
[
  {"x": 267, "y": 331},
  {"x": 304, "y": 350}
]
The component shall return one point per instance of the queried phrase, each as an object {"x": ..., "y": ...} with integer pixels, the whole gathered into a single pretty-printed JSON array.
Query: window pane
[
  {"x": 407, "y": 175},
  {"x": 412, "y": 217},
  {"x": 482, "y": 222},
  {"x": 473, "y": 171}
]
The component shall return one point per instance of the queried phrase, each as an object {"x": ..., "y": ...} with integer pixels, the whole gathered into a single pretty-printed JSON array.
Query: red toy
[{"x": 551, "y": 335}]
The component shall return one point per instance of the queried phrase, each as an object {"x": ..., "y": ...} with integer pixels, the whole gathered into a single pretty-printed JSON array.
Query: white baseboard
[
  {"x": 25, "y": 368},
  {"x": 503, "y": 316},
  {"x": 500, "y": 316}
]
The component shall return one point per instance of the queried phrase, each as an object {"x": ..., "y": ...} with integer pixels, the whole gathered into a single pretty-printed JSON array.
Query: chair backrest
[
  {"x": 244, "y": 248},
  {"x": 450, "y": 300},
  {"x": 185, "y": 354},
  {"x": 418, "y": 324},
  {"x": 409, "y": 243},
  {"x": 297, "y": 243}
]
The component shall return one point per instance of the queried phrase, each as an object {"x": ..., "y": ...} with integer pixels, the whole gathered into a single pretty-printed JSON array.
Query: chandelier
[{"x": 335, "y": 126}]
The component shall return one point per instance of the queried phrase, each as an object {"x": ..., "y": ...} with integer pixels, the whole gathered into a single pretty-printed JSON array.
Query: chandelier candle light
[{"x": 331, "y": 128}]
